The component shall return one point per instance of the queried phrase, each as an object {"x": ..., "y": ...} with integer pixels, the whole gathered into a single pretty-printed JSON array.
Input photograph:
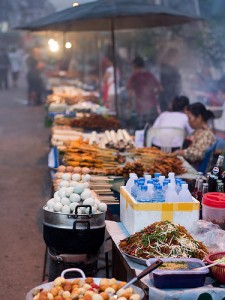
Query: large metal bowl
[{"x": 49, "y": 285}]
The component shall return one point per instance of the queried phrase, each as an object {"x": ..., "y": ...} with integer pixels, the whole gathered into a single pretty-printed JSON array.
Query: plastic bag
[{"x": 210, "y": 234}]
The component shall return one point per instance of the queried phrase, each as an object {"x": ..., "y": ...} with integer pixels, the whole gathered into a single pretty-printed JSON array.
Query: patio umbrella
[{"x": 111, "y": 15}]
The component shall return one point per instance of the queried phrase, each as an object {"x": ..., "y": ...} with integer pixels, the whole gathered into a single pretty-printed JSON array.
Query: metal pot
[{"x": 73, "y": 233}]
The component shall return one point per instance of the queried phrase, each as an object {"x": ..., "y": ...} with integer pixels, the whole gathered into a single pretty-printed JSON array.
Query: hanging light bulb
[
  {"x": 68, "y": 45},
  {"x": 75, "y": 4},
  {"x": 53, "y": 45}
]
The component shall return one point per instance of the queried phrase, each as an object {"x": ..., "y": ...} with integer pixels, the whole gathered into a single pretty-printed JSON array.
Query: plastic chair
[
  {"x": 167, "y": 136},
  {"x": 204, "y": 164}
]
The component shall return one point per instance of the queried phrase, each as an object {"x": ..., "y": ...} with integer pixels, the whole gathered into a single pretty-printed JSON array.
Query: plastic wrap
[{"x": 210, "y": 234}]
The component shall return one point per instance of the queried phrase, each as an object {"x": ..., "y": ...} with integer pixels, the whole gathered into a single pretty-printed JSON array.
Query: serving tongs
[
  {"x": 146, "y": 271},
  {"x": 207, "y": 266}
]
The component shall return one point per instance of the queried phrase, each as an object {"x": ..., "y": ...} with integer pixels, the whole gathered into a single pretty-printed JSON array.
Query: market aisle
[{"x": 24, "y": 189}]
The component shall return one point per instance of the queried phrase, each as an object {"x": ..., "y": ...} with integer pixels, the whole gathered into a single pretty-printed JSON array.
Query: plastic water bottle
[
  {"x": 178, "y": 184},
  {"x": 147, "y": 177},
  {"x": 161, "y": 179},
  {"x": 185, "y": 195},
  {"x": 143, "y": 195},
  {"x": 171, "y": 176},
  {"x": 171, "y": 194},
  {"x": 165, "y": 186},
  {"x": 135, "y": 189},
  {"x": 130, "y": 181},
  {"x": 158, "y": 195},
  {"x": 150, "y": 188},
  {"x": 156, "y": 175}
]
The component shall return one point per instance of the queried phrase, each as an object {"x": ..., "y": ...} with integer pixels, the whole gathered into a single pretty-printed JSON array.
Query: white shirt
[
  {"x": 172, "y": 119},
  {"x": 15, "y": 61}
]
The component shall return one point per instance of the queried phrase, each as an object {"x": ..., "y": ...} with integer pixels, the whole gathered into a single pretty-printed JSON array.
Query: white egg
[
  {"x": 74, "y": 197},
  {"x": 79, "y": 211},
  {"x": 87, "y": 211},
  {"x": 66, "y": 209},
  {"x": 102, "y": 207},
  {"x": 64, "y": 183},
  {"x": 76, "y": 177},
  {"x": 86, "y": 177},
  {"x": 69, "y": 191},
  {"x": 51, "y": 209},
  {"x": 56, "y": 194},
  {"x": 50, "y": 203},
  {"x": 86, "y": 194},
  {"x": 73, "y": 206},
  {"x": 73, "y": 183},
  {"x": 65, "y": 201},
  {"x": 94, "y": 209},
  {"x": 57, "y": 199},
  {"x": 66, "y": 176},
  {"x": 89, "y": 201},
  {"x": 79, "y": 188},
  {"x": 86, "y": 184},
  {"x": 57, "y": 206},
  {"x": 62, "y": 193}
]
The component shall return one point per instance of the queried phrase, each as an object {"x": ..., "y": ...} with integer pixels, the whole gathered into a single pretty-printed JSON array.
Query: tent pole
[{"x": 114, "y": 65}]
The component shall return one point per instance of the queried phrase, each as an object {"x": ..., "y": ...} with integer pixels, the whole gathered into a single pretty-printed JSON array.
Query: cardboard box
[{"x": 135, "y": 215}]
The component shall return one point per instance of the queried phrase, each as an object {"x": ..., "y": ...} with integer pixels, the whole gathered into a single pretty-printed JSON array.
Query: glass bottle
[
  {"x": 220, "y": 188},
  {"x": 199, "y": 176},
  {"x": 199, "y": 191},
  {"x": 215, "y": 174},
  {"x": 205, "y": 188}
]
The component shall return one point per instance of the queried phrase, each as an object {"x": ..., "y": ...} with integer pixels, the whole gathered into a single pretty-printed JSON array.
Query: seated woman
[
  {"x": 177, "y": 118},
  {"x": 202, "y": 137}
]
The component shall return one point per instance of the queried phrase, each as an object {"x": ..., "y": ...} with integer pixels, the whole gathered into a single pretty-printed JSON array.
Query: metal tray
[
  {"x": 140, "y": 261},
  {"x": 49, "y": 285}
]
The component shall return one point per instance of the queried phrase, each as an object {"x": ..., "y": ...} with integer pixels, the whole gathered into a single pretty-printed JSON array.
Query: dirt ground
[{"x": 24, "y": 188}]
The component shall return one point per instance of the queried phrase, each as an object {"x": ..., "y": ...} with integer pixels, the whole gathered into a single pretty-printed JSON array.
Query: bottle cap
[
  {"x": 143, "y": 187},
  {"x": 140, "y": 183},
  {"x": 150, "y": 182},
  {"x": 141, "y": 179},
  {"x": 158, "y": 187},
  {"x": 135, "y": 181},
  {"x": 156, "y": 175},
  {"x": 165, "y": 182}
]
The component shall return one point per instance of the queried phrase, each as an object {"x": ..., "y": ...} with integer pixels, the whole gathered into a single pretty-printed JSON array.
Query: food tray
[
  {"x": 49, "y": 285},
  {"x": 165, "y": 279},
  {"x": 135, "y": 259}
]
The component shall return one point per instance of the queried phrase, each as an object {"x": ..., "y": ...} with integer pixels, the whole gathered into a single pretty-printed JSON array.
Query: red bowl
[{"x": 218, "y": 271}]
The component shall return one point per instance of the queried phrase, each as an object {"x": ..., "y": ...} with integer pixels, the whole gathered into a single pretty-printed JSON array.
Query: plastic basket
[{"x": 218, "y": 271}]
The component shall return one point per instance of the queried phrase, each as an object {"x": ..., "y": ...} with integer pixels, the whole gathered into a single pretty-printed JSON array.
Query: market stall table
[{"x": 123, "y": 268}]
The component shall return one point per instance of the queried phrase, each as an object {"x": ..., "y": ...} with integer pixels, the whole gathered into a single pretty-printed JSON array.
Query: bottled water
[
  {"x": 150, "y": 187},
  {"x": 147, "y": 177},
  {"x": 165, "y": 186},
  {"x": 158, "y": 195},
  {"x": 161, "y": 179},
  {"x": 130, "y": 181},
  {"x": 178, "y": 185},
  {"x": 156, "y": 175},
  {"x": 171, "y": 194},
  {"x": 171, "y": 176},
  {"x": 143, "y": 195},
  {"x": 185, "y": 195},
  {"x": 135, "y": 189}
]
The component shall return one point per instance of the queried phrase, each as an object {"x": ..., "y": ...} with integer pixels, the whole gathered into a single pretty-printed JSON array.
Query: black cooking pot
[{"x": 73, "y": 233}]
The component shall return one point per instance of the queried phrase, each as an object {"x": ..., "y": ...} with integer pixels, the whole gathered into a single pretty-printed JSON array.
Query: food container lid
[
  {"x": 195, "y": 262},
  {"x": 214, "y": 199}
]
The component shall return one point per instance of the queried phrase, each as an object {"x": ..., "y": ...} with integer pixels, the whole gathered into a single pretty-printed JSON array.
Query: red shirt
[{"x": 146, "y": 89}]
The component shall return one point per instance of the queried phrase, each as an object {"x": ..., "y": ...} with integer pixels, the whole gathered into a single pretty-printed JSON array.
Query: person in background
[
  {"x": 109, "y": 85},
  {"x": 143, "y": 90},
  {"x": 202, "y": 137},
  {"x": 170, "y": 79},
  {"x": 34, "y": 80},
  {"x": 176, "y": 118},
  {"x": 4, "y": 69},
  {"x": 15, "y": 64}
]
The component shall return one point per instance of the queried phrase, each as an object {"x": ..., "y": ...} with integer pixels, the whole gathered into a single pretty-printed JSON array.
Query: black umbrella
[{"x": 111, "y": 15}]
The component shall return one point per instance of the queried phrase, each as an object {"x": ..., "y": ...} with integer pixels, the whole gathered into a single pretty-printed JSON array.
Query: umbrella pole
[{"x": 115, "y": 66}]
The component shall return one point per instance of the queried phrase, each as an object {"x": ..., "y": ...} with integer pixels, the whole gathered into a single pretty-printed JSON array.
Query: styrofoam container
[
  {"x": 135, "y": 215},
  {"x": 189, "y": 278}
]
